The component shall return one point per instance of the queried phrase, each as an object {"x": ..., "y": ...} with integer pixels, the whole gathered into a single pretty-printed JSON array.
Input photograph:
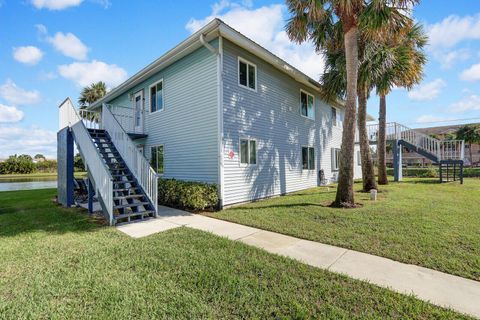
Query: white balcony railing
[
  {"x": 135, "y": 160},
  {"x": 441, "y": 149},
  {"x": 102, "y": 179},
  {"x": 131, "y": 120}
]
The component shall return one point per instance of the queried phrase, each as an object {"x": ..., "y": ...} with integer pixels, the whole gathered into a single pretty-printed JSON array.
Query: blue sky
[{"x": 49, "y": 49}]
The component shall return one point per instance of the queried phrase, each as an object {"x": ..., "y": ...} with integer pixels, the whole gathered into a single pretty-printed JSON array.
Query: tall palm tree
[
  {"x": 92, "y": 93},
  {"x": 325, "y": 22},
  {"x": 333, "y": 83},
  {"x": 407, "y": 70},
  {"x": 471, "y": 135}
]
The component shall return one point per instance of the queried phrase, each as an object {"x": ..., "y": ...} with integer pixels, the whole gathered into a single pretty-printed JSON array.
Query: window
[
  {"x": 156, "y": 160},
  {"x": 308, "y": 158},
  {"x": 156, "y": 96},
  {"x": 334, "y": 116},
  {"x": 248, "y": 151},
  {"x": 307, "y": 105},
  {"x": 359, "y": 158},
  {"x": 247, "y": 74},
  {"x": 335, "y": 159}
]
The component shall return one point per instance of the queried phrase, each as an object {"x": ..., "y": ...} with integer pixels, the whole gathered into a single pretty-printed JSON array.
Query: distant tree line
[{"x": 24, "y": 164}]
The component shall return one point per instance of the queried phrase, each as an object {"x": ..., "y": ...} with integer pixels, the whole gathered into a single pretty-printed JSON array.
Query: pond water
[{"x": 27, "y": 183}]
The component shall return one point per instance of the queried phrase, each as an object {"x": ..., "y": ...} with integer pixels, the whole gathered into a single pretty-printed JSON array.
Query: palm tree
[
  {"x": 328, "y": 23},
  {"x": 406, "y": 47},
  {"x": 92, "y": 93},
  {"x": 471, "y": 135}
]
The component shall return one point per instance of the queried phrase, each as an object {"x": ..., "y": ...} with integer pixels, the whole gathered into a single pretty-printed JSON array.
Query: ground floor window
[
  {"x": 156, "y": 160},
  {"x": 359, "y": 158},
  {"x": 248, "y": 151},
  {"x": 335, "y": 159},
  {"x": 308, "y": 158}
]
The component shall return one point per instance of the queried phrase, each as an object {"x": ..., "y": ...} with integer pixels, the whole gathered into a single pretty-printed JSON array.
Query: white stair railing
[
  {"x": 441, "y": 149},
  {"x": 102, "y": 179},
  {"x": 136, "y": 162}
]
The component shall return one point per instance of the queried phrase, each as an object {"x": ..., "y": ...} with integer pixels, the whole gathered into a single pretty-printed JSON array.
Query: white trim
[
  {"x": 314, "y": 111},
  {"x": 248, "y": 152},
  {"x": 150, "y": 96},
  {"x": 221, "y": 145},
  {"x": 142, "y": 113},
  {"x": 308, "y": 157},
  {"x": 240, "y": 59},
  {"x": 335, "y": 162},
  {"x": 337, "y": 123},
  {"x": 150, "y": 160}
]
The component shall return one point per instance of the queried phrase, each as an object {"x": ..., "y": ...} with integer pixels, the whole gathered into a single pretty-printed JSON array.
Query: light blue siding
[
  {"x": 271, "y": 116},
  {"x": 187, "y": 127}
]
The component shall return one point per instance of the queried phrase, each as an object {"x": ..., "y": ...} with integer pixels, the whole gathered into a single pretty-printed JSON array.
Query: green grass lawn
[
  {"x": 417, "y": 221},
  {"x": 58, "y": 263}
]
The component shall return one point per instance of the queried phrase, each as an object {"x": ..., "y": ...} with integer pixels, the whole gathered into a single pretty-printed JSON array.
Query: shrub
[
  {"x": 187, "y": 194},
  {"x": 429, "y": 172}
]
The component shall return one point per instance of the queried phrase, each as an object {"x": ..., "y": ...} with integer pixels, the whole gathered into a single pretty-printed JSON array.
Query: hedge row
[
  {"x": 433, "y": 172},
  {"x": 187, "y": 195}
]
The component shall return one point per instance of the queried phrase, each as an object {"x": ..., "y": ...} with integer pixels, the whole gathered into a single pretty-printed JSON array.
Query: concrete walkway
[{"x": 462, "y": 295}]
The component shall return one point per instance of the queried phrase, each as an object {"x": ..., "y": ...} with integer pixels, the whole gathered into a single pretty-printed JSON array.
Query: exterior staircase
[
  {"x": 447, "y": 154},
  {"x": 121, "y": 177},
  {"x": 130, "y": 201}
]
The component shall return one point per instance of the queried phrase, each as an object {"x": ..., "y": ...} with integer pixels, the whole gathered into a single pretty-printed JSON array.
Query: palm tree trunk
[
  {"x": 368, "y": 174},
  {"x": 345, "y": 195},
  {"x": 382, "y": 142}
]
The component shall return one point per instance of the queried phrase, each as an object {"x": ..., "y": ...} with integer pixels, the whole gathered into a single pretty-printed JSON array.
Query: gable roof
[{"x": 210, "y": 31}]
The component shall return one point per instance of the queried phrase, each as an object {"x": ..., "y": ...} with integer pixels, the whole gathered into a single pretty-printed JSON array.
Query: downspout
[{"x": 219, "y": 54}]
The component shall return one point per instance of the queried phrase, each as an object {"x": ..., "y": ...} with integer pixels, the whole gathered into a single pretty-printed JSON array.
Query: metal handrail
[
  {"x": 135, "y": 160},
  {"x": 102, "y": 179},
  {"x": 441, "y": 149}
]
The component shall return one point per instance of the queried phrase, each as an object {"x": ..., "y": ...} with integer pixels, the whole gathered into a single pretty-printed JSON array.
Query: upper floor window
[
  {"x": 307, "y": 103},
  {"x": 334, "y": 116},
  {"x": 308, "y": 158},
  {"x": 156, "y": 160},
  {"x": 247, "y": 74},
  {"x": 156, "y": 96},
  {"x": 248, "y": 151}
]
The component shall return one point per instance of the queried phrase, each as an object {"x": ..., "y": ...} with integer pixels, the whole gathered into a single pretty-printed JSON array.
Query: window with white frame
[
  {"x": 307, "y": 105},
  {"x": 334, "y": 116},
  {"x": 156, "y": 160},
  {"x": 248, "y": 151},
  {"x": 359, "y": 158},
  {"x": 308, "y": 158},
  {"x": 247, "y": 74},
  {"x": 156, "y": 96},
  {"x": 335, "y": 159}
]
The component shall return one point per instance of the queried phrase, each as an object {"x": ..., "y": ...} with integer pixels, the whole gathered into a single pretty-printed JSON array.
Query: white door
[{"x": 138, "y": 112}]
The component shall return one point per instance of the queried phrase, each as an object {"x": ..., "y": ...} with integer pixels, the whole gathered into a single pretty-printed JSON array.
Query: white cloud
[
  {"x": 471, "y": 74},
  {"x": 28, "y": 140},
  {"x": 453, "y": 30},
  {"x": 470, "y": 103},
  {"x": 428, "y": 118},
  {"x": 448, "y": 58},
  {"x": 18, "y": 96},
  {"x": 265, "y": 25},
  {"x": 10, "y": 114},
  {"x": 29, "y": 55},
  {"x": 68, "y": 44},
  {"x": 428, "y": 91},
  {"x": 86, "y": 73},
  {"x": 55, "y": 4}
]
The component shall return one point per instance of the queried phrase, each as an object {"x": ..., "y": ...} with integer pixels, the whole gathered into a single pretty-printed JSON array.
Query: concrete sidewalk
[{"x": 460, "y": 294}]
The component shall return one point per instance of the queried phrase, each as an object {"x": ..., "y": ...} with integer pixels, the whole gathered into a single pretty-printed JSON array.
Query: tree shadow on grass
[
  {"x": 31, "y": 212},
  {"x": 279, "y": 206}
]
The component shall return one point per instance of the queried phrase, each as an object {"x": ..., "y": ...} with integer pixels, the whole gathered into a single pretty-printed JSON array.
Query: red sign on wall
[{"x": 231, "y": 154}]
